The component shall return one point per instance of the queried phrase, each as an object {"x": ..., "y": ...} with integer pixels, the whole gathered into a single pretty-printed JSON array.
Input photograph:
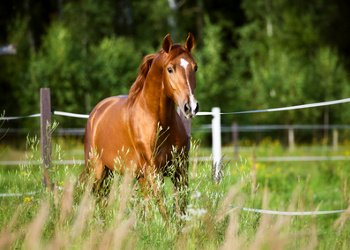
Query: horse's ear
[
  {"x": 189, "y": 44},
  {"x": 167, "y": 43}
]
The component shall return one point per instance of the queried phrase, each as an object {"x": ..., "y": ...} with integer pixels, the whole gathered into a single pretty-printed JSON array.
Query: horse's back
[{"x": 103, "y": 108}]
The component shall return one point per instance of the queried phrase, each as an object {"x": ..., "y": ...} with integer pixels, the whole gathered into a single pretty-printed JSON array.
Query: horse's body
[{"x": 140, "y": 131}]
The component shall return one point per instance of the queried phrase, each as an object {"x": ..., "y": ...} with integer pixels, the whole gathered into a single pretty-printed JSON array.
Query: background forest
[{"x": 251, "y": 54}]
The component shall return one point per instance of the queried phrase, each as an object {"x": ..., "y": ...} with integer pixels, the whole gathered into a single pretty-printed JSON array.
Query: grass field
[{"x": 71, "y": 218}]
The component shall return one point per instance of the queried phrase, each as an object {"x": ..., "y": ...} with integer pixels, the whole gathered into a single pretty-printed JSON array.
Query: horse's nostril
[
  {"x": 187, "y": 108},
  {"x": 196, "y": 109}
]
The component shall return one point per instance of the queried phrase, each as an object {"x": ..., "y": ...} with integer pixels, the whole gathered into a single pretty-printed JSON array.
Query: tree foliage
[{"x": 251, "y": 54}]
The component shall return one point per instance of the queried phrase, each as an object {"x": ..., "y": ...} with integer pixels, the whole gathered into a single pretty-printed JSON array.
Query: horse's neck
[{"x": 155, "y": 99}]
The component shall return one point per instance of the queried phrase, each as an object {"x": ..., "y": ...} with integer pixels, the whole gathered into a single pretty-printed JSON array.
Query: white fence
[
  {"x": 45, "y": 120},
  {"x": 45, "y": 117}
]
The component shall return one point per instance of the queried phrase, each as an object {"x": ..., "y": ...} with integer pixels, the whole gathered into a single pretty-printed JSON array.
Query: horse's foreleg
[{"x": 149, "y": 186}]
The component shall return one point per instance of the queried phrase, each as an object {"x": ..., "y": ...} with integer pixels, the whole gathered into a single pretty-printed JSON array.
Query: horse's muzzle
[{"x": 191, "y": 108}]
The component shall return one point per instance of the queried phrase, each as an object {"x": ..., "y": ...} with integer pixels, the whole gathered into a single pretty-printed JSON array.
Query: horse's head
[{"x": 179, "y": 78}]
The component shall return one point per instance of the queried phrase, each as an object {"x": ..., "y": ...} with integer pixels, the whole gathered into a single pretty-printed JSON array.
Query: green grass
[{"x": 48, "y": 219}]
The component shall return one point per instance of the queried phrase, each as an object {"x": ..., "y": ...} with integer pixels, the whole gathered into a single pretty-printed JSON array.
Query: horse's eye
[
  {"x": 195, "y": 68},
  {"x": 170, "y": 70}
]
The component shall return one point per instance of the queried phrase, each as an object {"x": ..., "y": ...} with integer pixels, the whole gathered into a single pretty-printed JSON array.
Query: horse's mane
[{"x": 140, "y": 80}]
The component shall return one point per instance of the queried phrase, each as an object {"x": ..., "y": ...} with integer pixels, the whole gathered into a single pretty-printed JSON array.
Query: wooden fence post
[
  {"x": 253, "y": 171},
  {"x": 335, "y": 139},
  {"x": 45, "y": 133},
  {"x": 291, "y": 142}
]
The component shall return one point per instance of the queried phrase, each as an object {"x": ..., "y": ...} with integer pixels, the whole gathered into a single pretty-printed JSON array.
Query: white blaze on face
[
  {"x": 193, "y": 102},
  {"x": 183, "y": 63}
]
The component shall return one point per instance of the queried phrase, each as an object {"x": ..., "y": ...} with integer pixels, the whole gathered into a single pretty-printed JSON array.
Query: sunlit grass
[{"x": 71, "y": 218}]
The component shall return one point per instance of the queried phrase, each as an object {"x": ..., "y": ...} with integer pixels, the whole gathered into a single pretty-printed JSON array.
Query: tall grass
[{"x": 72, "y": 217}]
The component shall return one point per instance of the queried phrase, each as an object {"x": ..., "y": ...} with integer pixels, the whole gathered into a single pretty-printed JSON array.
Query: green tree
[
  {"x": 278, "y": 61},
  {"x": 330, "y": 81},
  {"x": 213, "y": 86},
  {"x": 114, "y": 68},
  {"x": 150, "y": 21},
  {"x": 61, "y": 66}
]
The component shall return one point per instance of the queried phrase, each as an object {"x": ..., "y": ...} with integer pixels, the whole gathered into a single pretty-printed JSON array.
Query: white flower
[
  {"x": 197, "y": 212},
  {"x": 196, "y": 194}
]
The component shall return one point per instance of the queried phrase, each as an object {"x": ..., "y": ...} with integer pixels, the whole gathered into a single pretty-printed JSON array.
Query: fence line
[
  {"x": 271, "y": 127},
  {"x": 287, "y": 213},
  {"x": 8, "y": 118},
  {"x": 59, "y": 131},
  {"x": 68, "y": 114},
  {"x": 252, "y": 210},
  {"x": 302, "y": 106},
  {"x": 302, "y": 158},
  {"x": 204, "y": 128},
  {"x": 199, "y": 159},
  {"x": 279, "y": 158},
  {"x": 56, "y": 162},
  {"x": 17, "y": 194},
  {"x": 204, "y": 113},
  {"x": 45, "y": 114}
]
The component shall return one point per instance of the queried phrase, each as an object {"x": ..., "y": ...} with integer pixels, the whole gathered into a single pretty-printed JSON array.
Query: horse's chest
[{"x": 159, "y": 146}]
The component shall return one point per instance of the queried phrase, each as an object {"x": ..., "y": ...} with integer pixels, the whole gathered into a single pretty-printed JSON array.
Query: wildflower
[
  {"x": 193, "y": 213},
  {"x": 196, "y": 212},
  {"x": 201, "y": 211},
  {"x": 186, "y": 217},
  {"x": 196, "y": 195},
  {"x": 27, "y": 199}
]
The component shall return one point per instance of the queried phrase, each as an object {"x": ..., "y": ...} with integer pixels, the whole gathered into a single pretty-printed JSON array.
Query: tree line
[{"x": 252, "y": 54}]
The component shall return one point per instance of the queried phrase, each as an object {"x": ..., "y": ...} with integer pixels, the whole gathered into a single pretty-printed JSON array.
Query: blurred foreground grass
[{"x": 72, "y": 219}]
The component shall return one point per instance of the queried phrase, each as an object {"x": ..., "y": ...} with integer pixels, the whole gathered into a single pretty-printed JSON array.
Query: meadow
[{"x": 71, "y": 217}]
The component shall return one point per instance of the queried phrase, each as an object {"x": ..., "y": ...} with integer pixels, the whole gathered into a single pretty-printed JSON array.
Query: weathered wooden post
[
  {"x": 335, "y": 139},
  {"x": 216, "y": 141},
  {"x": 45, "y": 134},
  {"x": 253, "y": 171},
  {"x": 291, "y": 142},
  {"x": 235, "y": 140}
]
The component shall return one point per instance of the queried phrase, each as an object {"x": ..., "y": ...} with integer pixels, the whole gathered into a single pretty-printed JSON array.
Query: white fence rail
[
  {"x": 215, "y": 126},
  {"x": 45, "y": 117}
]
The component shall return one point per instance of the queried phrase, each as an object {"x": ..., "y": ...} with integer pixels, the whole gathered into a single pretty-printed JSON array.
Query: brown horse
[{"x": 143, "y": 131}]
